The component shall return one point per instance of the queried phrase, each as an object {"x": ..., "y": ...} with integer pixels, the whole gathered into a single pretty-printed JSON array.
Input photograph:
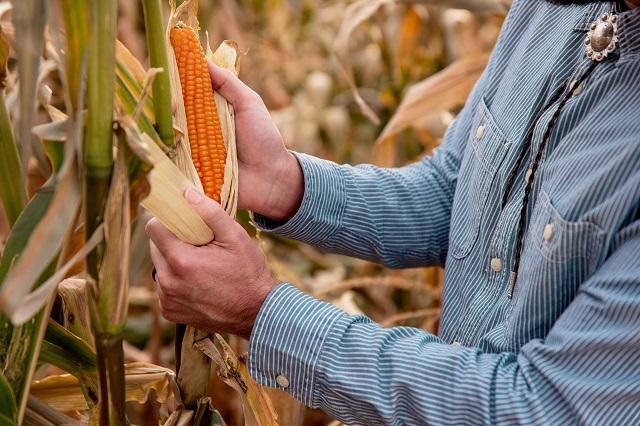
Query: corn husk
[{"x": 193, "y": 381}]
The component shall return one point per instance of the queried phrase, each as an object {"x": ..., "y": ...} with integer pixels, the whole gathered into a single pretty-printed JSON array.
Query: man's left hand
[{"x": 218, "y": 287}]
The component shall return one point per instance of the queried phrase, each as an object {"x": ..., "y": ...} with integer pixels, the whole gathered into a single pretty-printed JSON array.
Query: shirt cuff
[
  {"x": 323, "y": 203},
  {"x": 292, "y": 335}
]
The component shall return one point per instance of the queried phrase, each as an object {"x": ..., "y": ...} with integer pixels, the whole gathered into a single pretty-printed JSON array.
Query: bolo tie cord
[{"x": 513, "y": 275}]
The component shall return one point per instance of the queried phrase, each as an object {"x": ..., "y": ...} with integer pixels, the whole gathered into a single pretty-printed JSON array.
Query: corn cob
[{"x": 203, "y": 124}]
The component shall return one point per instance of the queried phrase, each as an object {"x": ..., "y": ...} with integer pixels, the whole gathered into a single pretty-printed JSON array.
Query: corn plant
[{"x": 64, "y": 271}]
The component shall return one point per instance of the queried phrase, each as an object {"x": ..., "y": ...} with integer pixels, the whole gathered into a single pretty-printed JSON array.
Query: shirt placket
[{"x": 492, "y": 300}]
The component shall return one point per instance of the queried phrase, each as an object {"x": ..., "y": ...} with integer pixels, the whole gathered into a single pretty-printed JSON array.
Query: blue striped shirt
[{"x": 565, "y": 349}]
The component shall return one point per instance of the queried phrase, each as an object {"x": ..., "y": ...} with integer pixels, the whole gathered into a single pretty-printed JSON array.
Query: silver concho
[{"x": 602, "y": 37}]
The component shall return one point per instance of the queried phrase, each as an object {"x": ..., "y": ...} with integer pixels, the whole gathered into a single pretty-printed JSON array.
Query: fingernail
[{"x": 193, "y": 196}]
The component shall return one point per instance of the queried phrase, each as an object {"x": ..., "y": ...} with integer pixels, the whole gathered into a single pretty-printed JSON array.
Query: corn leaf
[
  {"x": 64, "y": 393},
  {"x": 29, "y": 19},
  {"x": 114, "y": 274},
  {"x": 130, "y": 77},
  {"x": 12, "y": 187},
  {"x": 8, "y": 408},
  {"x": 67, "y": 351},
  {"x": 76, "y": 18},
  {"x": 70, "y": 353},
  {"x": 43, "y": 244},
  {"x": 35, "y": 300},
  {"x": 233, "y": 370},
  {"x": 35, "y": 242},
  {"x": 15, "y": 359},
  {"x": 439, "y": 92},
  {"x": 355, "y": 14},
  {"x": 73, "y": 293},
  {"x": 493, "y": 6}
]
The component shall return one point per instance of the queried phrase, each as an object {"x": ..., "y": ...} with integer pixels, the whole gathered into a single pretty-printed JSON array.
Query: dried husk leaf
[
  {"x": 63, "y": 392},
  {"x": 166, "y": 198},
  {"x": 226, "y": 56}
]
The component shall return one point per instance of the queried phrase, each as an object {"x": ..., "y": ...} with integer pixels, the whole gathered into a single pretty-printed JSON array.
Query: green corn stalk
[
  {"x": 98, "y": 143},
  {"x": 110, "y": 298},
  {"x": 158, "y": 58}
]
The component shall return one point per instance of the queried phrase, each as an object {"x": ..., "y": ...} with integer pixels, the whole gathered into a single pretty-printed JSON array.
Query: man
[{"x": 532, "y": 204}]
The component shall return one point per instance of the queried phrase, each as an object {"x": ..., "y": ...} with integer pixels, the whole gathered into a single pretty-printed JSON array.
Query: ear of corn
[{"x": 208, "y": 150}]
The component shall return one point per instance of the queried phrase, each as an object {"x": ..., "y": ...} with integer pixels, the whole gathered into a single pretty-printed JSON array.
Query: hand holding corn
[
  {"x": 270, "y": 179},
  {"x": 218, "y": 287}
]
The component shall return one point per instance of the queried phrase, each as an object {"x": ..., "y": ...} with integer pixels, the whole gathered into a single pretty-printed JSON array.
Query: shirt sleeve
[
  {"x": 379, "y": 214},
  {"x": 586, "y": 371}
]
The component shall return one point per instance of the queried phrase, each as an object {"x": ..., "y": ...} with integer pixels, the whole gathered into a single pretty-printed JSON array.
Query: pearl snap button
[
  {"x": 282, "y": 381},
  {"x": 456, "y": 343},
  {"x": 496, "y": 264},
  {"x": 479, "y": 132},
  {"x": 547, "y": 234}
]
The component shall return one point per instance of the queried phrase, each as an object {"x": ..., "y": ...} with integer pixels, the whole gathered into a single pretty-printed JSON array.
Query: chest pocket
[
  {"x": 484, "y": 153},
  {"x": 557, "y": 257}
]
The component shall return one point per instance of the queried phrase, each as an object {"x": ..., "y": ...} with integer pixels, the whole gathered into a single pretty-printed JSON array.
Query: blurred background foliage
[{"x": 412, "y": 64}]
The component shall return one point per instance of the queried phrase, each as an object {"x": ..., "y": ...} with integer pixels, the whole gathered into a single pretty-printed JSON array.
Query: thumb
[
  {"x": 230, "y": 86},
  {"x": 212, "y": 213}
]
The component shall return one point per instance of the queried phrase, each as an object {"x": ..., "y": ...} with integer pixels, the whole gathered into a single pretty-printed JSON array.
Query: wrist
[
  {"x": 288, "y": 190},
  {"x": 268, "y": 283}
]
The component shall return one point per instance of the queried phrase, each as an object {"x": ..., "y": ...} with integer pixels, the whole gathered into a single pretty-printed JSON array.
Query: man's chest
[{"x": 579, "y": 197}]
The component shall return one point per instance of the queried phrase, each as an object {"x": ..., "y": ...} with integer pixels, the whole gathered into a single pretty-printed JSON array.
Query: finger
[
  {"x": 224, "y": 228},
  {"x": 164, "y": 239},
  {"x": 230, "y": 86},
  {"x": 159, "y": 262}
]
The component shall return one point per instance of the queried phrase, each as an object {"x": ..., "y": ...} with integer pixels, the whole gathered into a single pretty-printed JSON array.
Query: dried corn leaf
[
  {"x": 439, "y": 92},
  {"x": 114, "y": 272},
  {"x": 494, "y": 6},
  {"x": 73, "y": 292},
  {"x": 63, "y": 392},
  {"x": 258, "y": 410},
  {"x": 130, "y": 93},
  {"x": 35, "y": 300},
  {"x": 356, "y": 14},
  {"x": 29, "y": 18}
]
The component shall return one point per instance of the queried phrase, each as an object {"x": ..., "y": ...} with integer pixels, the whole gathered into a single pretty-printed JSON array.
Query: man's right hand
[{"x": 270, "y": 178}]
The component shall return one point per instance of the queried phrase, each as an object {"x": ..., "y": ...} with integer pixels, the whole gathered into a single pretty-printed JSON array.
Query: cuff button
[{"x": 282, "y": 381}]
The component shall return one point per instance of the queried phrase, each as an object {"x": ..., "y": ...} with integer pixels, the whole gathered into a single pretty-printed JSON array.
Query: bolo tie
[{"x": 600, "y": 42}]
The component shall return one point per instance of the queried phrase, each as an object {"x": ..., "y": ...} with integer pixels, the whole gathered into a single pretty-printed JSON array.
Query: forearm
[
  {"x": 585, "y": 370},
  {"x": 399, "y": 217},
  {"x": 363, "y": 374}
]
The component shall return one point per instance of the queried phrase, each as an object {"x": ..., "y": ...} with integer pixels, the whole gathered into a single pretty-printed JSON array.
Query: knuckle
[{"x": 177, "y": 263}]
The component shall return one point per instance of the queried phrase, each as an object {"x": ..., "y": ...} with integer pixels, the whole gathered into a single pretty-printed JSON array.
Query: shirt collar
[{"x": 629, "y": 32}]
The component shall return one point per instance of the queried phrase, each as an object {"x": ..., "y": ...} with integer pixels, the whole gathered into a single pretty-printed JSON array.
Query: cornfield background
[{"x": 368, "y": 81}]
